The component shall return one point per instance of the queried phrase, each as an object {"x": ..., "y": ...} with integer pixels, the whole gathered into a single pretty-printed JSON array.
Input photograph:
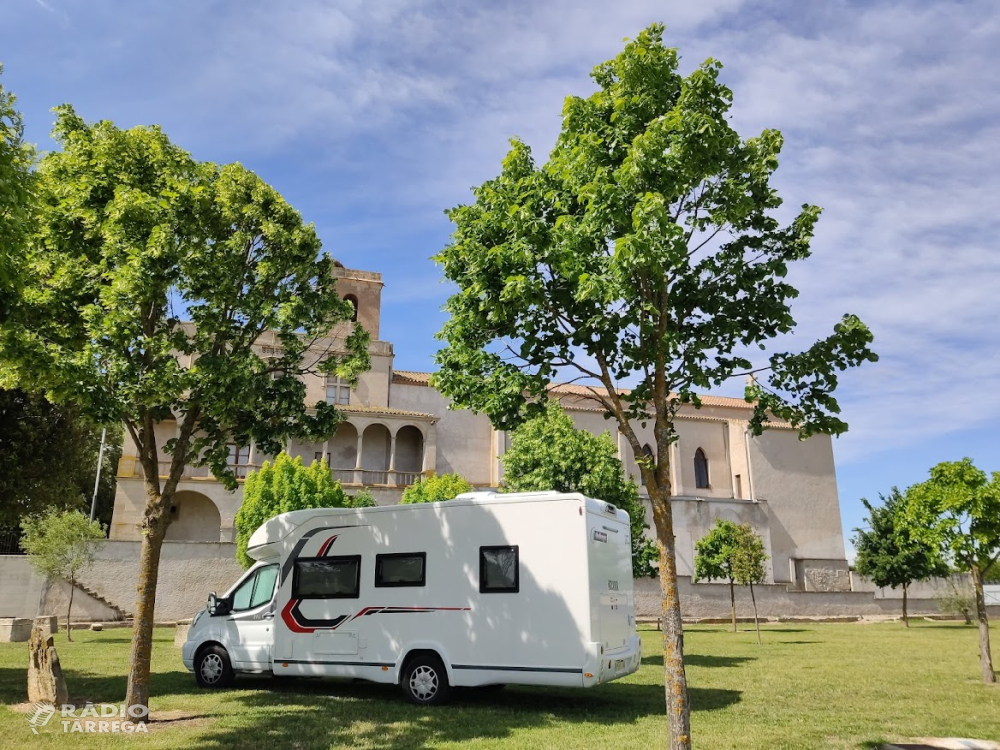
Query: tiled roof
[
  {"x": 408, "y": 377},
  {"x": 359, "y": 409}
]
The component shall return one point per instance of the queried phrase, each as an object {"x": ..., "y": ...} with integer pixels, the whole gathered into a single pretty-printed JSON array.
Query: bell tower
[{"x": 363, "y": 289}]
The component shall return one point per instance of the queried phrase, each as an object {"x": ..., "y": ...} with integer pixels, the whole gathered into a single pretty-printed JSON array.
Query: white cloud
[{"x": 889, "y": 111}]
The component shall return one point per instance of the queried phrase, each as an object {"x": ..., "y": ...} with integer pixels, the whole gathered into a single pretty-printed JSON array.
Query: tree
[
  {"x": 282, "y": 487},
  {"x": 748, "y": 566},
  {"x": 958, "y": 508},
  {"x": 16, "y": 198},
  {"x": 713, "y": 558},
  {"x": 434, "y": 487},
  {"x": 548, "y": 452},
  {"x": 62, "y": 544},
  {"x": 134, "y": 234},
  {"x": 50, "y": 458},
  {"x": 643, "y": 251},
  {"x": 890, "y": 553}
]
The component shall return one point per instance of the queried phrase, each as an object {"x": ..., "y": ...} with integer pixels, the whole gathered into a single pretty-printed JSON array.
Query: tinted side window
[
  {"x": 327, "y": 578},
  {"x": 498, "y": 570},
  {"x": 405, "y": 569}
]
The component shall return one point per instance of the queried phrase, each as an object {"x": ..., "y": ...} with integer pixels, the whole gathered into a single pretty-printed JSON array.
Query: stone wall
[
  {"x": 188, "y": 572},
  {"x": 711, "y": 600}
]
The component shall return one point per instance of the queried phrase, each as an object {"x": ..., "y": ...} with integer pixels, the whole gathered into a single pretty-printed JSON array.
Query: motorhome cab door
[{"x": 250, "y": 623}]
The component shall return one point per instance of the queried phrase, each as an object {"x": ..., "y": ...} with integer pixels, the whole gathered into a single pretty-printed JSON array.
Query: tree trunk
[
  {"x": 756, "y": 620},
  {"x": 985, "y": 657},
  {"x": 154, "y": 528},
  {"x": 732, "y": 603},
  {"x": 674, "y": 677},
  {"x": 69, "y": 608},
  {"x": 906, "y": 616}
]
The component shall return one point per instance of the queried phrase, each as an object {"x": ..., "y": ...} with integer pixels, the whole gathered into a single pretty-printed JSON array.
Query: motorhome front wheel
[
  {"x": 425, "y": 681},
  {"x": 212, "y": 668}
]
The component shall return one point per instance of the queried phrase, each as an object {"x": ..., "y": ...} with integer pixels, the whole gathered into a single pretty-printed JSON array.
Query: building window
[
  {"x": 327, "y": 578},
  {"x": 350, "y": 298},
  {"x": 739, "y": 487},
  {"x": 238, "y": 455},
  {"x": 700, "y": 470},
  {"x": 498, "y": 570},
  {"x": 406, "y": 569},
  {"x": 338, "y": 391}
]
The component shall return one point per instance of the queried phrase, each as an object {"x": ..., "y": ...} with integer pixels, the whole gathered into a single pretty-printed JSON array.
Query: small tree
[
  {"x": 644, "y": 250},
  {"x": 958, "y": 508},
  {"x": 282, "y": 487},
  {"x": 434, "y": 487},
  {"x": 62, "y": 544},
  {"x": 890, "y": 553},
  {"x": 749, "y": 559},
  {"x": 548, "y": 452},
  {"x": 713, "y": 558}
]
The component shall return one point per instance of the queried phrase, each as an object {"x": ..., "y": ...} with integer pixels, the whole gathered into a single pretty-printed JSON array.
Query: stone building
[{"x": 398, "y": 427}]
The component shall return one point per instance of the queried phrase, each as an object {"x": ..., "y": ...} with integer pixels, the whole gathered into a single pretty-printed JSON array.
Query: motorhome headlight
[{"x": 197, "y": 617}]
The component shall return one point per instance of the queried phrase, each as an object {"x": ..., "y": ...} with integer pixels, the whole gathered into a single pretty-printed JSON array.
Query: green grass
[{"x": 808, "y": 686}]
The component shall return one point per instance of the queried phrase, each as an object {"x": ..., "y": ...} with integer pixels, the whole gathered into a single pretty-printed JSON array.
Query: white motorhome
[{"x": 485, "y": 589}]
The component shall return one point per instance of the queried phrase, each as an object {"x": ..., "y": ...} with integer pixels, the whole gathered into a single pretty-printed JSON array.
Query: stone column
[
  {"x": 358, "y": 478},
  {"x": 430, "y": 451},
  {"x": 391, "y": 475}
]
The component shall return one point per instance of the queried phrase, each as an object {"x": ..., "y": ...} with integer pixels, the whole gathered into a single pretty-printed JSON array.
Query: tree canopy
[
  {"x": 282, "y": 487},
  {"x": 646, "y": 251},
  {"x": 958, "y": 509},
  {"x": 548, "y": 452},
  {"x": 151, "y": 278},
  {"x": 16, "y": 198},
  {"x": 435, "y": 487},
  {"x": 890, "y": 552}
]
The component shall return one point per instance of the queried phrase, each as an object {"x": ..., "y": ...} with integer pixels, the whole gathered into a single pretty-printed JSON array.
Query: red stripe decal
[
  {"x": 289, "y": 618},
  {"x": 326, "y": 545}
]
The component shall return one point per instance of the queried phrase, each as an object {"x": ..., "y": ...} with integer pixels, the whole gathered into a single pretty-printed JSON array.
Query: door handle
[{"x": 268, "y": 615}]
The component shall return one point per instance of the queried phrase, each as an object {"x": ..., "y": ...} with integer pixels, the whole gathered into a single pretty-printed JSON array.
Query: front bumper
[{"x": 187, "y": 655}]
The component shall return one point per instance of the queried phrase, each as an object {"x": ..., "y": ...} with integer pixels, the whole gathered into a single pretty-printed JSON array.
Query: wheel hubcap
[
  {"x": 424, "y": 683},
  {"x": 211, "y": 668}
]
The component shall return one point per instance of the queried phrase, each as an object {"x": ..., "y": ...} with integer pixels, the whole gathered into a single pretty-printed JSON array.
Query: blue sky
[{"x": 373, "y": 117}]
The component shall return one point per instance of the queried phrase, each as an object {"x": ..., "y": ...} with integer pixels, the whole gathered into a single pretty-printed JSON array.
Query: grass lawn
[{"x": 808, "y": 686}]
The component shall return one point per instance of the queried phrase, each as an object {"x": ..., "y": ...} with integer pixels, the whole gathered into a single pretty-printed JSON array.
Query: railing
[
  {"x": 406, "y": 478},
  {"x": 10, "y": 542},
  {"x": 129, "y": 466},
  {"x": 344, "y": 476},
  {"x": 376, "y": 476}
]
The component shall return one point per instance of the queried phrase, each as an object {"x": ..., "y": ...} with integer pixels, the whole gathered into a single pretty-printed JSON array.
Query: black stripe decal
[
  {"x": 567, "y": 670},
  {"x": 344, "y": 663}
]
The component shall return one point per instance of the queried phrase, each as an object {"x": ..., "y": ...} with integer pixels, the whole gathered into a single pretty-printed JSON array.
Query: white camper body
[{"x": 485, "y": 589}]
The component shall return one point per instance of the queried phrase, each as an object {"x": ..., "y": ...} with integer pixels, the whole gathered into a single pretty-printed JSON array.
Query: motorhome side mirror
[{"x": 217, "y": 606}]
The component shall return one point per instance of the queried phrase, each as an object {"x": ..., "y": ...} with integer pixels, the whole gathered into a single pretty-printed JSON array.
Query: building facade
[{"x": 398, "y": 428}]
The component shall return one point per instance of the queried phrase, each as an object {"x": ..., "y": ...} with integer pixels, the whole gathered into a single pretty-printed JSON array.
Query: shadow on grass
[
  {"x": 701, "y": 660},
  {"x": 324, "y": 713},
  {"x": 84, "y": 686}
]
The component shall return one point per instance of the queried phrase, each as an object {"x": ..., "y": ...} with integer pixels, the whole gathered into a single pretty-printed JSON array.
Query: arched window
[
  {"x": 700, "y": 470},
  {"x": 354, "y": 303},
  {"x": 647, "y": 451}
]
